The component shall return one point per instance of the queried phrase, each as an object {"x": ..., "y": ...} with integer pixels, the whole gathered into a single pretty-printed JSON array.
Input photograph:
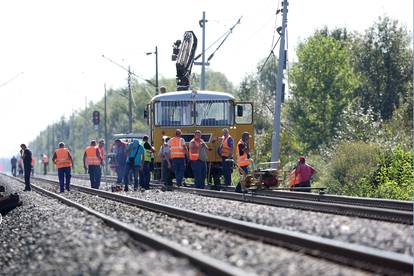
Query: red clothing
[{"x": 304, "y": 172}]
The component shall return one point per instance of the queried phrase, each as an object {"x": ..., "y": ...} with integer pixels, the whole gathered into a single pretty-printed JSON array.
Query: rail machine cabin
[
  {"x": 207, "y": 111},
  {"x": 189, "y": 110}
]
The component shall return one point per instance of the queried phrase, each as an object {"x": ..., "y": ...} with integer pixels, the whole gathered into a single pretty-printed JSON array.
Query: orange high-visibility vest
[
  {"x": 91, "y": 157},
  {"x": 177, "y": 148},
  {"x": 33, "y": 161},
  {"x": 196, "y": 155},
  {"x": 62, "y": 158},
  {"x": 242, "y": 160},
  {"x": 225, "y": 148},
  {"x": 45, "y": 159}
]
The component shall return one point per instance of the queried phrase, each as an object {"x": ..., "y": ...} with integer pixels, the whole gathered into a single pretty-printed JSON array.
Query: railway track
[
  {"x": 376, "y": 209},
  {"x": 363, "y": 257}
]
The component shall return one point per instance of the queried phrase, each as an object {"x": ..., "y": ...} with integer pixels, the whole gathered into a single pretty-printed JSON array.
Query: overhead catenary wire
[
  {"x": 11, "y": 79},
  {"x": 225, "y": 35}
]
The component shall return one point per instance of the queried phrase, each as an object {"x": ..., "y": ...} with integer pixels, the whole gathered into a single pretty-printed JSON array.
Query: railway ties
[{"x": 350, "y": 254}]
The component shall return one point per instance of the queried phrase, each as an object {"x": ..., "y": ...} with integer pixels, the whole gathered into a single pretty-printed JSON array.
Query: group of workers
[{"x": 134, "y": 160}]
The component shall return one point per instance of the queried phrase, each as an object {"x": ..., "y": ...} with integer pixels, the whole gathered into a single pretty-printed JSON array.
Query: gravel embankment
[
  {"x": 45, "y": 237},
  {"x": 378, "y": 234},
  {"x": 252, "y": 256}
]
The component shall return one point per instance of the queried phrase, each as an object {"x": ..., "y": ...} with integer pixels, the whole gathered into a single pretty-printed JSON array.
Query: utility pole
[
  {"x": 105, "y": 130},
  {"x": 279, "y": 87},
  {"x": 129, "y": 101},
  {"x": 203, "y": 63}
]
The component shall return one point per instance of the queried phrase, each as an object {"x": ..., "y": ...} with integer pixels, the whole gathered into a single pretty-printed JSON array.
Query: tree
[
  {"x": 383, "y": 59},
  {"x": 323, "y": 82}
]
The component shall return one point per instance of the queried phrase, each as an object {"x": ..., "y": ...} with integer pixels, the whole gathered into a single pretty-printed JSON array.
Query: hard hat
[{"x": 301, "y": 158}]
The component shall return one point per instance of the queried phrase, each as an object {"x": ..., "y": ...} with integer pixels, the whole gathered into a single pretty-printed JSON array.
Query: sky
[{"x": 51, "y": 50}]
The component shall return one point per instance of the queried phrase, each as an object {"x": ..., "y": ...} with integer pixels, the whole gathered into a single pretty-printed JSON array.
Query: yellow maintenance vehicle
[{"x": 190, "y": 110}]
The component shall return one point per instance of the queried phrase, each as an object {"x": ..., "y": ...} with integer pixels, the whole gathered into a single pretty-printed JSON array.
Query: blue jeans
[
  {"x": 238, "y": 187},
  {"x": 199, "y": 170},
  {"x": 134, "y": 169},
  {"x": 95, "y": 175},
  {"x": 178, "y": 165},
  {"x": 120, "y": 170},
  {"x": 227, "y": 170},
  {"x": 62, "y": 174},
  {"x": 145, "y": 176}
]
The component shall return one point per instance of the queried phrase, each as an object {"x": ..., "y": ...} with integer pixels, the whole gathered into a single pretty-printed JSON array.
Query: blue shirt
[{"x": 137, "y": 151}]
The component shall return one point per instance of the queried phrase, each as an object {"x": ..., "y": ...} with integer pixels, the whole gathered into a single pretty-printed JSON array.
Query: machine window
[
  {"x": 244, "y": 113},
  {"x": 177, "y": 113},
  {"x": 214, "y": 113}
]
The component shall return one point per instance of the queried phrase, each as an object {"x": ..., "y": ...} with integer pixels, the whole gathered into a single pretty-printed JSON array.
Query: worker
[
  {"x": 20, "y": 166},
  {"x": 178, "y": 151},
  {"x": 33, "y": 164},
  {"x": 120, "y": 158},
  {"x": 26, "y": 156},
  {"x": 163, "y": 90},
  {"x": 301, "y": 175},
  {"x": 101, "y": 148},
  {"x": 13, "y": 162},
  {"x": 144, "y": 174},
  {"x": 165, "y": 156},
  {"x": 92, "y": 162},
  {"x": 226, "y": 150},
  {"x": 198, "y": 158},
  {"x": 45, "y": 162},
  {"x": 135, "y": 153},
  {"x": 63, "y": 162},
  {"x": 243, "y": 157}
]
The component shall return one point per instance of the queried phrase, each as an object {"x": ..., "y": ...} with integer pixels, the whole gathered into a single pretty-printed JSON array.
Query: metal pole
[
  {"x": 203, "y": 55},
  {"x": 279, "y": 87},
  {"x": 156, "y": 71},
  {"x": 106, "y": 132},
  {"x": 129, "y": 101}
]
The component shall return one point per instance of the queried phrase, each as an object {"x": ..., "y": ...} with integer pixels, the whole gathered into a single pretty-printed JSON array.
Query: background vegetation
[{"x": 349, "y": 111}]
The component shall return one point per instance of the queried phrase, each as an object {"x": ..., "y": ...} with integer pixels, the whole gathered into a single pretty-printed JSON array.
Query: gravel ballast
[
  {"x": 372, "y": 233},
  {"x": 45, "y": 237},
  {"x": 250, "y": 255}
]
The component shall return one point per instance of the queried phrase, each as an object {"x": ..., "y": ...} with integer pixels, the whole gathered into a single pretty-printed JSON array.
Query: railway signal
[{"x": 96, "y": 117}]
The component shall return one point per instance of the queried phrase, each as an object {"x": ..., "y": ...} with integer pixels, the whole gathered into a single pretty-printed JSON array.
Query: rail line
[
  {"x": 206, "y": 264},
  {"x": 347, "y": 206},
  {"x": 362, "y": 257}
]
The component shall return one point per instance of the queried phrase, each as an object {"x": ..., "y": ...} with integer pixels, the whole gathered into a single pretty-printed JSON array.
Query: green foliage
[
  {"x": 351, "y": 169},
  {"x": 395, "y": 176},
  {"x": 323, "y": 81},
  {"x": 383, "y": 58}
]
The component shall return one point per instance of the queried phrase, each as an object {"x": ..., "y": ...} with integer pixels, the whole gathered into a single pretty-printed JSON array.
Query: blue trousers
[
  {"x": 120, "y": 170},
  {"x": 199, "y": 170},
  {"x": 238, "y": 187},
  {"x": 134, "y": 169},
  {"x": 145, "y": 176},
  {"x": 64, "y": 173},
  {"x": 95, "y": 175},
  {"x": 178, "y": 165},
  {"x": 166, "y": 173},
  {"x": 227, "y": 170}
]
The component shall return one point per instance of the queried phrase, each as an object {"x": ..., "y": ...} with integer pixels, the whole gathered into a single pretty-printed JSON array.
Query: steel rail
[
  {"x": 354, "y": 201},
  {"x": 206, "y": 264},
  {"x": 349, "y": 254}
]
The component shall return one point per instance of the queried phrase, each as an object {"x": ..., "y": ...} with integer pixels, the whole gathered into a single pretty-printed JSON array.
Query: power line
[{"x": 12, "y": 79}]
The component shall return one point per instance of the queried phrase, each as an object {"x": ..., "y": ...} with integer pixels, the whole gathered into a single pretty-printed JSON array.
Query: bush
[{"x": 351, "y": 169}]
